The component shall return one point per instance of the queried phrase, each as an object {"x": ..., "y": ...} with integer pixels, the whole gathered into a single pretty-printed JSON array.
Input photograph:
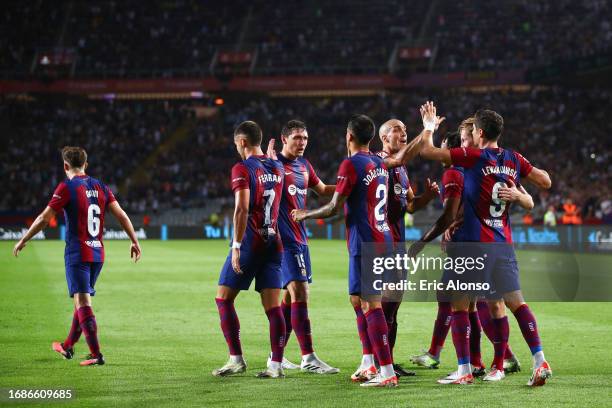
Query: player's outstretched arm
[
  {"x": 328, "y": 210},
  {"x": 412, "y": 149},
  {"x": 323, "y": 189},
  {"x": 415, "y": 203},
  {"x": 451, "y": 208},
  {"x": 38, "y": 225},
  {"x": 429, "y": 151},
  {"x": 539, "y": 178},
  {"x": 516, "y": 194},
  {"x": 241, "y": 215},
  {"x": 406, "y": 153},
  {"x": 126, "y": 224}
]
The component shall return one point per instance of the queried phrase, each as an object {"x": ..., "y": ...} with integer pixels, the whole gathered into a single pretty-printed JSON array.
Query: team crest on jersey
[
  {"x": 293, "y": 190},
  {"x": 399, "y": 190}
]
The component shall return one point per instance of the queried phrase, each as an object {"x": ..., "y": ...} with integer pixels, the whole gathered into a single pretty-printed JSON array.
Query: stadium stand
[
  {"x": 160, "y": 156},
  {"x": 181, "y": 38},
  {"x": 121, "y": 135}
]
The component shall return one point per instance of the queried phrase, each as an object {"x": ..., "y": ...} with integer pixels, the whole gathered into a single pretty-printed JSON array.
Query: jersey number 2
[
  {"x": 93, "y": 220},
  {"x": 381, "y": 194}
]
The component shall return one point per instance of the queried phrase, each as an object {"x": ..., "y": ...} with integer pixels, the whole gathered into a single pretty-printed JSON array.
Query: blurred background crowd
[{"x": 163, "y": 154}]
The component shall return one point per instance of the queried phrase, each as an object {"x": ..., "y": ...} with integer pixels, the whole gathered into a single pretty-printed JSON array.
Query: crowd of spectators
[
  {"x": 329, "y": 36},
  {"x": 519, "y": 34},
  {"x": 139, "y": 38},
  {"x": 117, "y": 137},
  {"x": 24, "y": 27},
  {"x": 565, "y": 131},
  {"x": 180, "y": 37}
]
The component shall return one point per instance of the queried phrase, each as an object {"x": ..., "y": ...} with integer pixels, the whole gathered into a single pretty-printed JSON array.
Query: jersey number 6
[{"x": 93, "y": 220}]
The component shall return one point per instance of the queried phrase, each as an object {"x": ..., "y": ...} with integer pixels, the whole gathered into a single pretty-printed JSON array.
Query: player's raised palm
[
  {"x": 270, "y": 152},
  {"x": 428, "y": 115}
]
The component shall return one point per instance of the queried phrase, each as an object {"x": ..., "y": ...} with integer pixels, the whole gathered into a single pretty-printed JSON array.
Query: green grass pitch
[{"x": 159, "y": 331}]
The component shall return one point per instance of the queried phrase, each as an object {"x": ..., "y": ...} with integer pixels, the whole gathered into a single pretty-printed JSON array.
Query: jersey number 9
[{"x": 498, "y": 206}]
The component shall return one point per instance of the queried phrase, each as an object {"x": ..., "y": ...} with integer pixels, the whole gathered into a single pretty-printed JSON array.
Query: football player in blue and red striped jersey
[
  {"x": 256, "y": 249},
  {"x": 479, "y": 314},
  {"x": 296, "y": 269},
  {"x": 361, "y": 189},
  {"x": 84, "y": 201},
  {"x": 490, "y": 176},
  {"x": 401, "y": 200}
]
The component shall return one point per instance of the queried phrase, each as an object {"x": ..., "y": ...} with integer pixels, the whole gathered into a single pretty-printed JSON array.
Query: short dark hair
[
  {"x": 453, "y": 139},
  {"x": 363, "y": 128},
  {"x": 491, "y": 123},
  {"x": 292, "y": 125},
  {"x": 75, "y": 156},
  {"x": 251, "y": 131}
]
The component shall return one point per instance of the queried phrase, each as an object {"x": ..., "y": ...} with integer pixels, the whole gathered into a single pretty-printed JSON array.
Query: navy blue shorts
[
  {"x": 354, "y": 278},
  {"x": 263, "y": 266},
  {"x": 500, "y": 269},
  {"x": 296, "y": 264},
  {"x": 82, "y": 276}
]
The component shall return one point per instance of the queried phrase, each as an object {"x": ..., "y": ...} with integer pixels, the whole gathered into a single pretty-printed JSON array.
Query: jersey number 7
[{"x": 269, "y": 196}]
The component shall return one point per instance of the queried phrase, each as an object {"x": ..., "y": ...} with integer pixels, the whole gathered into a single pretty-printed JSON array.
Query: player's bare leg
[
  {"x": 270, "y": 300},
  {"x": 527, "y": 322},
  {"x": 87, "y": 321},
  {"x": 367, "y": 369},
  {"x": 230, "y": 325},
  {"x": 298, "y": 295},
  {"x": 378, "y": 334},
  {"x": 460, "y": 329}
]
